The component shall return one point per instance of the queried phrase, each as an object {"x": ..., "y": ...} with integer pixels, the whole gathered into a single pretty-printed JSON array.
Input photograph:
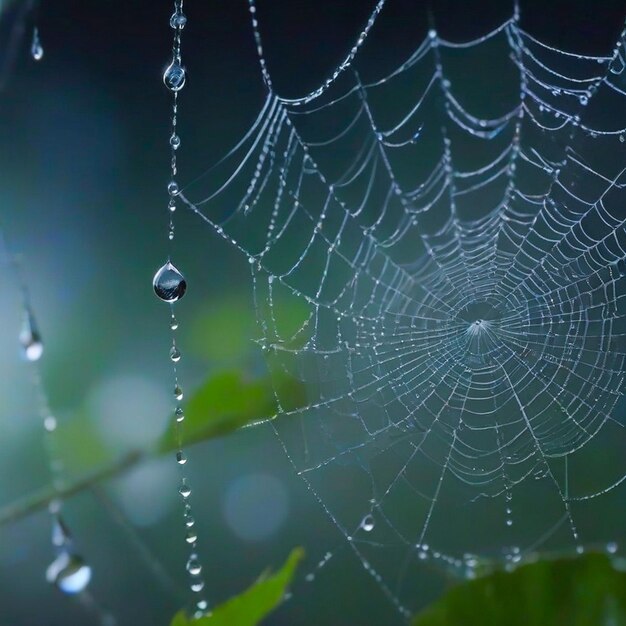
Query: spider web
[{"x": 442, "y": 262}]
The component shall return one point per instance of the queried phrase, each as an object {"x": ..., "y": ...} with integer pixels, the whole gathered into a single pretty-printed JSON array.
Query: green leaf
[
  {"x": 254, "y": 604},
  {"x": 228, "y": 401},
  {"x": 581, "y": 591}
]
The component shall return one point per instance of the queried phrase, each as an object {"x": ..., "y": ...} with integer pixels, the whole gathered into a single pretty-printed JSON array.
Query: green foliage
[
  {"x": 227, "y": 401},
  {"x": 584, "y": 591},
  {"x": 252, "y": 605}
]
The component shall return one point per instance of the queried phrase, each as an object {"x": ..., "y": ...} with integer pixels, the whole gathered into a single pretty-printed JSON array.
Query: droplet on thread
[
  {"x": 175, "y": 141},
  {"x": 367, "y": 523},
  {"x": 178, "y": 393},
  {"x": 185, "y": 489},
  {"x": 69, "y": 573},
  {"x": 174, "y": 76},
  {"x": 197, "y": 586},
  {"x": 180, "y": 415},
  {"x": 191, "y": 537},
  {"x": 169, "y": 284},
  {"x": 181, "y": 459},
  {"x": 36, "y": 49},
  {"x": 175, "y": 354},
  {"x": 193, "y": 565},
  {"x": 30, "y": 338},
  {"x": 172, "y": 188},
  {"x": 178, "y": 20}
]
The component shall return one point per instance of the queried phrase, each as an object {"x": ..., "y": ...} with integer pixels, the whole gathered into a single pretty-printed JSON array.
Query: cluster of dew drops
[
  {"x": 170, "y": 286},
  {"x": 68, "y": 571}
]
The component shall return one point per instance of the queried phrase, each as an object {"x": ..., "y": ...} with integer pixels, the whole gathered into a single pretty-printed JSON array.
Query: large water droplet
[
  {"x": 193, "y": 565},
  {"x": 169, "y": 284},
  {"x": 175, "y": 141},
  {"x": 172, "y": 188},
  {"x": 191, "y": 536},
  {"x": 31, "y": 339},
  {"x": 367, "y": 523},
  {"x": 197, "y": 586},
  {"x": 36, "y": 49},
  {"x": 174, "y": 76},
  {"x": 181, "y": 459},
  {"x": 69, "y": 573}
]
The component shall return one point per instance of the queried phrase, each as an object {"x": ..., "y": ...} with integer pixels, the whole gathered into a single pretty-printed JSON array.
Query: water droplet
[
  {"x": 189, "y": 520},
  {"x": 611, "y": 547},
  {"x": 31, "y": 339},
  {"x": 175, "y": 141},
  {"x": 172, "y": 188},
  {"x": 191, "y": 537},
  {"x": 178, "y": 393},
  {"x": 169, "y": 284},
  {"x": 36, "y": 49},
  {"x": 509, "y": 522},
  {"x": 69, "y": 573},
  {"x": 60, "y": 533},
  {"x": 185, "y": 489},
  {"x": 180, "y": 415},
  {"x": 197, "y": 586},
  {"x": 173, "y": 323},
  {"x": 178, "y": 19},
  {"x": 367, "y": 523},
  {"x": 622, "y": 138},
  {"x": 171, "y": 205},
  {"x": 50, "y": 423},
  {"x": 174, "y": 76},
  {"x": 175, "y": 354},
  {"x": 193, "y": 565},
  {"x": 202, "y": 605},
  {"x": 583, "y": 100},
  {"x": 181, "y": 459}
]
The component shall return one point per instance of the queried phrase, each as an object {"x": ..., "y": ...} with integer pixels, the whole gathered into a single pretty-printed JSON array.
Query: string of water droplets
[
  {"x": 170, "y": 286},
  {"x": 462, "y": 327}
]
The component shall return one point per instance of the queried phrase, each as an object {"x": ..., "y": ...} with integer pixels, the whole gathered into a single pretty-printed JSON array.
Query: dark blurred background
[{"x": 83, "y": 171}]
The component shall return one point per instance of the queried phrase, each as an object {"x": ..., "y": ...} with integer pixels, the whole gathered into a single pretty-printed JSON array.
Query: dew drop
[
  {"x": 60, "y": 533},
  {"x": 175, "y": 141},
  {"x": 36, "y": 49},
  {"x": 189, "y": 520},
  {"x": 611, "y": 547},
  {"x": 173, "y": 323},
  {"x": 191, "y": 537},
  {"x": 178, "y": 20},
  {"x": 178, "y": 393},
  {"x": 202, "y": 605},
  {"x": 50, "y": 423},
  {"x": 169, "y": 284},
  {"x": 30, "y": 339},
  {"x": 185, "y": 489},
  {"x": 174, "y": 76},
  {"x": 69, "y": 573},
  {"x": 197, "y": 586},
  {"x": 181, "y": 459},
  {"x": 367, "y": 523},
  {"x": 175, "y": 354},
  {"x": 180, "y": 415},
  {"x": 193, "y": 565},
  {"x": 622, "y": 138}
]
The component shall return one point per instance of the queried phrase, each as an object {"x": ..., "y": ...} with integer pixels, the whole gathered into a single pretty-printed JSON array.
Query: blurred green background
[{"x": 83, "y": 171}]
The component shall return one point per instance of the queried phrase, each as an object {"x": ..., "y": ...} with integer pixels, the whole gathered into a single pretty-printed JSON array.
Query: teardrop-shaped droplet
[
  {"x": 31, "y": 339},
  {"x": 175, "y": 141},
  {"x": 169, "y": 284},
  {"x": 69, "y": 573},
  {"x": 172, "y": 188},
  {"x": 174, "y": 76},
  {"x": 191, "y": 536},
  {"x": 178, "y": 393},
  {"x": 197, "y": 586},
  {"x": 36, "y": 49},
  {"x": 189, "y": 520},
  {"x": 185, "y": 489},
  {"x": 181, "y": 459},
  {"x": 367, "y": 523},
  {"x": 175, "y": 354},
  {"x": 193, "y": 565},
  {"x": 173, "y": 323},
  {"x": 60, "y": 533},
  {"x": 178, "y": 19},
  {"x": 180, "y": 415}
]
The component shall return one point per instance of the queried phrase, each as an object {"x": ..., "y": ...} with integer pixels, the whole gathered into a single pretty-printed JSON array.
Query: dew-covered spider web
[{"x": 439, "y": 253}]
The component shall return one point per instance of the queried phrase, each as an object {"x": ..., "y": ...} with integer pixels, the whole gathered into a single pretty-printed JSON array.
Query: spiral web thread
[{"x": 444, "y": 267}]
